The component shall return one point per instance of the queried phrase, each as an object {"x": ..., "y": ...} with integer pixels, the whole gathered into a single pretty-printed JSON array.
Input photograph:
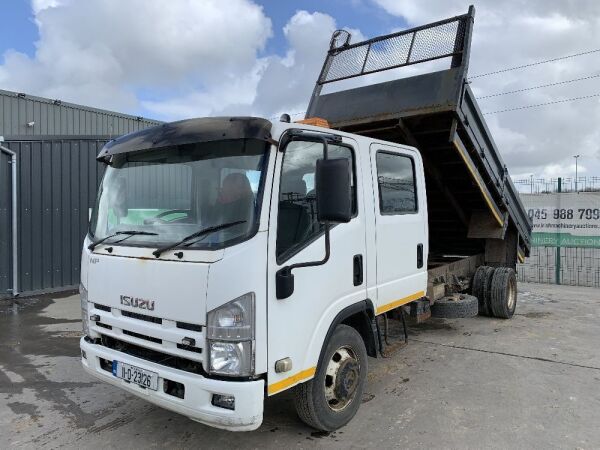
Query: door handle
[
  {"x": 419, "y": 256},
  {"x": 358, "y": 270}
]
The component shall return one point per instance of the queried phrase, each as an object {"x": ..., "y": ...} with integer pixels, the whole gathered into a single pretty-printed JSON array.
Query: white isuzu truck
[{"x": 229, "y": 259}]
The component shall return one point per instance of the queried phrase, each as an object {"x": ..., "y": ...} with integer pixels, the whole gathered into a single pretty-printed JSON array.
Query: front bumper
[{"x": 196, "y": 404}]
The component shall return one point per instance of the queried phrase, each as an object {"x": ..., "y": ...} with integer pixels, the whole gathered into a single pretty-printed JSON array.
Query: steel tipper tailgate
[{"x": 435, "y": 112}]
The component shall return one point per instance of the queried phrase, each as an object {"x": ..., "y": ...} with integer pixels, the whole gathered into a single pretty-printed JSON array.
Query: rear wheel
[
  {"x": 482, "y": 280},
  {"x": 330, "y": 400},
  {"x": 503, "y": 293}
]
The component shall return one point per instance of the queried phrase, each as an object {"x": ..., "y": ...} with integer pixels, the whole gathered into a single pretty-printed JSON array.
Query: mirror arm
[
  {"x": 285, "y": 279},
  {"x": 325, "y": 148},
  {"x": 315, "y": 263}
]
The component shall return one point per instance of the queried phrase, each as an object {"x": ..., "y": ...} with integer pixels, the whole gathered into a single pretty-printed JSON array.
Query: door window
[
  {"x": 297, "y": 223},
  {"x": 397, "y": 187}
]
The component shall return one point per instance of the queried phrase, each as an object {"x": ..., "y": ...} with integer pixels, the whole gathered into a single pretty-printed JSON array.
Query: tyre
[
  {"x": 330, "y": 400},
  {"x": 503, "y": 293},
  {"x": 481, "y": 288},
  {"x": 455, "y": 306}
]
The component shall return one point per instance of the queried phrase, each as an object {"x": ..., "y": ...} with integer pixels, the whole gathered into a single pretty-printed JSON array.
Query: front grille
[
  {"x": 103, "y": 325},
  {"x": 189, "y": 326},
  {"x": 142, "y": 336},
  {"x": 102, "y": 307},
  {"x": 164, "y": 359},
  {"x": 139, "y": 316},
  {"x": 189, "y": 348}
]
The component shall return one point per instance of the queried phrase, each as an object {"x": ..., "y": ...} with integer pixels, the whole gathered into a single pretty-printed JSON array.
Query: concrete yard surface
[{"x": 529, "y": 382}]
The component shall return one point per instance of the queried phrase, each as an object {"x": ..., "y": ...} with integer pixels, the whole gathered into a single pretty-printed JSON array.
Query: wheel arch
[{"x": 359, "y": 316}]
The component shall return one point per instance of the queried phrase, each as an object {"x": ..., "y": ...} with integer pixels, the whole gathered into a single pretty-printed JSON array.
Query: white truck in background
[{"x": 233, "y": 258}]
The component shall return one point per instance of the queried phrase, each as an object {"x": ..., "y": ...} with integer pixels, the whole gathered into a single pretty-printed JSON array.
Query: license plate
[{"x": 137, "y": 375}]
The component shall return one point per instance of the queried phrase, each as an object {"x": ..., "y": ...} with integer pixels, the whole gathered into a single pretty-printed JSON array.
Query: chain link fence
[
  {"x": 550, "y": 185},
  {"x": 577, "y": 266}
]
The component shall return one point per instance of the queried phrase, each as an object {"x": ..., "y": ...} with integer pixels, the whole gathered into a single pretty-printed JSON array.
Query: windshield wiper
[
  {"x": 129, "y": 233},
  {"x": 197, "y": 234}
]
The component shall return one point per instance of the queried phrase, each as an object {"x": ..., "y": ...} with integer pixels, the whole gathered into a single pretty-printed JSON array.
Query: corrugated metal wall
[
  {"x": 5, "y": 223},
  {"x": 57, "y": 183},
  {"x": 55, "y": 118},
  {"x": 57, "y": 176},
  {"x": 159, "y": 186}
]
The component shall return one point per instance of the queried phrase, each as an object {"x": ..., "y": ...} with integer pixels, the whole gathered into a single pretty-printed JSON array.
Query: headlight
[
  {"x": 83, "y": 295},
  {"x": 231, "y": 358},
  {"x": 234, "y": 321},
  {"x": 230, "y": 332}
]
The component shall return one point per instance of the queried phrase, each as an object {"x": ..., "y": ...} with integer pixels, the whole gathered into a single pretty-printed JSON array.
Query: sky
[{"x": 193, "y": 58}]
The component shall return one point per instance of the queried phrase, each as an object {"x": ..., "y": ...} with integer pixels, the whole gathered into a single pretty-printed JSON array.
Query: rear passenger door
[{"x": 400, "y": 225}]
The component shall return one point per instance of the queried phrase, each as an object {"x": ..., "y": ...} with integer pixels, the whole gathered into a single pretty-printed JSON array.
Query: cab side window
[
  {"x": 297, "y": 223},
  {"x": 397, "y": 187}
]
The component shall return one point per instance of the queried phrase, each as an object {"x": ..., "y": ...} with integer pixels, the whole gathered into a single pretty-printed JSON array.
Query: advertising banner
[{"x": 564, "y": 219}]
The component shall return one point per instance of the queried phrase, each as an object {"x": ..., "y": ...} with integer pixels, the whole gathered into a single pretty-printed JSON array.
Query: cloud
[
  {"x": 102, "y": 52},
  {"x": 276, "y": 84},
  {"x": 191, "y": 59},
  {"x": 288, "y": 82},
  {"x": 515, "y": 32},
  {"x": 197, "y": 58}
]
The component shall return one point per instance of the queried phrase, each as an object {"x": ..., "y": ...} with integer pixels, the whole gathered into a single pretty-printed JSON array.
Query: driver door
[{"x": 297, "y": 325}]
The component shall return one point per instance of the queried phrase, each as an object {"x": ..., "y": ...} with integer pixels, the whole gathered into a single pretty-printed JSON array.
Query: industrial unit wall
[
  {"x": 26, "y": 117},
  {"x": 56, "y": 184},
  {"x": 55, "y": 144},
  {"x": 6, "y": 248}
]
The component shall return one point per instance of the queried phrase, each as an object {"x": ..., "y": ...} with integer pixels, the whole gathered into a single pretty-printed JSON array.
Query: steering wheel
[{"x": 159, "y": 218}]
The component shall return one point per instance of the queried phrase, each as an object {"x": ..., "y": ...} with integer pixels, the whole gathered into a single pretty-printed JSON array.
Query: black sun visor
[{"x": 188, "y": 132}]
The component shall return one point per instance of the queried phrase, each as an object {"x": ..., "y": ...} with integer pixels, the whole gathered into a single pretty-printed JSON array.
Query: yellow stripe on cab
[
  {"x": 400, "y": 302},
  {"x": 290, "y": 381}
]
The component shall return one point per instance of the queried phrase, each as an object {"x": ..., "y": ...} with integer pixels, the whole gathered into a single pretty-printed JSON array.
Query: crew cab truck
[{"x": 233, "y": 258}]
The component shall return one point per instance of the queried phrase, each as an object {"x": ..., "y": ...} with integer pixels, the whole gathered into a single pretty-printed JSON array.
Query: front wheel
[{"x": 330, "y": 400}]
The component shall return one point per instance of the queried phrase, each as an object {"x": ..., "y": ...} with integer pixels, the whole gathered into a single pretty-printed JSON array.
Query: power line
[
  {"x": 534, "y": 64},
  {"x": 539, "y": 86},
  {"x": 543, "y": 104}
]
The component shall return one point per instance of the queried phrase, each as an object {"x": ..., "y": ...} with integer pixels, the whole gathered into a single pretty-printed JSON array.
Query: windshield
[{"x": 176, "y": 191}]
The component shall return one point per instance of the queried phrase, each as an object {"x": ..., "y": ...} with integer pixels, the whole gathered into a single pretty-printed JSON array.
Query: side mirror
[
  {"x": 333, "y": 190},
  {"x": 284, "y": 283}
]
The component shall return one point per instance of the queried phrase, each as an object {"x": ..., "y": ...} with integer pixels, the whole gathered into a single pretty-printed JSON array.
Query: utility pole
[
  {"x": 557, "y": 253},
  {"x": 531, "y": 182},
  {"x": 576, "y": 158}
]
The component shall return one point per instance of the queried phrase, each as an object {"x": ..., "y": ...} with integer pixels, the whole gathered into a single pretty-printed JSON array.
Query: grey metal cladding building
[{"x": 48, "y": 180}]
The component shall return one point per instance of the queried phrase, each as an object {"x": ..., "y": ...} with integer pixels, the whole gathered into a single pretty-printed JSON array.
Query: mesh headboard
[{"x": 443, "y": 39}]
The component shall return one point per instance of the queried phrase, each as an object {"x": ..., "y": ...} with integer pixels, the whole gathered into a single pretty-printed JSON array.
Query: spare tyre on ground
[{"x": 455, "y": 306}]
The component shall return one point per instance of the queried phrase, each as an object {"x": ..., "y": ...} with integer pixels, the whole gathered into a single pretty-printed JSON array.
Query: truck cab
[{"x": 249, "y": 305}]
